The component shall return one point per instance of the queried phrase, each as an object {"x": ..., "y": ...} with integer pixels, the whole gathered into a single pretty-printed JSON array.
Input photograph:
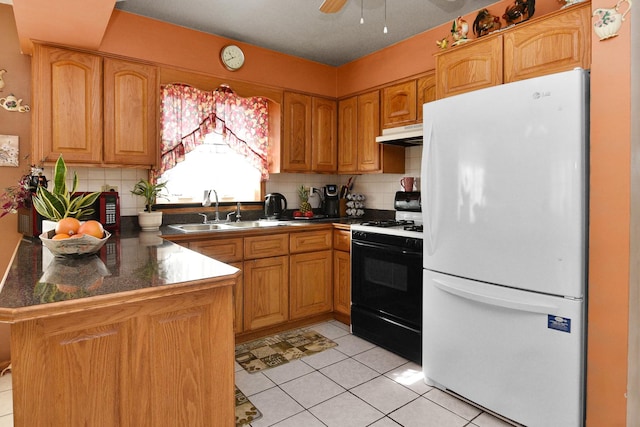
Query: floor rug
[
  {"x": 245, "y": 411},
  {"x": 276, "y": 350}
]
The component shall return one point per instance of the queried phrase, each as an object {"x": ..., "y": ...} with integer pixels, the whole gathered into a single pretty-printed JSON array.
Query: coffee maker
[{"x": 331, "y": 201}]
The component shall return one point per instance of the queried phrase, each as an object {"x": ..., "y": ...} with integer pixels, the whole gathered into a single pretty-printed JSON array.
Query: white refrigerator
[{"x": 505, "y": 210}]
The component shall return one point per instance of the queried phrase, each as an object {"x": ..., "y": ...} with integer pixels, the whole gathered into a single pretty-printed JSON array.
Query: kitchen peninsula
[{"x": 140, "y": 334}]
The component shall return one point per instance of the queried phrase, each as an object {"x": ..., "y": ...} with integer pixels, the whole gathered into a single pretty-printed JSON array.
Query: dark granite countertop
[{"x": 125, "y": 264}]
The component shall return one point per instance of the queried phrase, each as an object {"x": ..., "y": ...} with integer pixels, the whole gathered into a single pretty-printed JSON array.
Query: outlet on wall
[{"x": 107, "y": 187}]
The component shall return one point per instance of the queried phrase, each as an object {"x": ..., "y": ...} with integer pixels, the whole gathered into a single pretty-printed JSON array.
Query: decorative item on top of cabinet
[
  {"x": 459, "y": 30},
  {"x": 485, "y": 23},
  {"x": 519, "y": 12}
]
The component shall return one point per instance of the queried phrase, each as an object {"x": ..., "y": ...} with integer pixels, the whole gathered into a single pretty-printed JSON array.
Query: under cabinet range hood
[{"x": 404, "y": 136}]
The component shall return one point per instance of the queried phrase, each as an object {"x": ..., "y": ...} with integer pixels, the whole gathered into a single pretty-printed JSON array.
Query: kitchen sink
[
  {"x": 193, "y": 228},
  {"x": 199, "y": 228}
]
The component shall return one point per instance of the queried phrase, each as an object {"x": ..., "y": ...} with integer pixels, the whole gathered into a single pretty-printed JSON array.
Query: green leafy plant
[
  {"x": 60, "y": 203},
  {"x": 150, "y": 192}
]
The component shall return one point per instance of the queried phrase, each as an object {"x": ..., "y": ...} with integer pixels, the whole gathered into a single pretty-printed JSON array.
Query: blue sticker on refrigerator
[{"x": 559, "y": 323}]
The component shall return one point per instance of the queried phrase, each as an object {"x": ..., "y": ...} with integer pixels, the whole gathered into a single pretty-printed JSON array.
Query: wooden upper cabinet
[
  {"x": 469, "y": 67},
  {"x": 297, "y": 133},
  {"x": 399, "y": 104},
  {"x": 67, "y": 91},
  {"x": 426, "y": 92},
  {"x": 348, "y": 135},
  {"x": 93, "y": 110},
  {"x": 559, "y": 43},
  {"x": 359, "y": 124},
  {"x": 130, "y": 112},
  {"x": 324, "y": 140},
  {"x": 368, "y": 128}
]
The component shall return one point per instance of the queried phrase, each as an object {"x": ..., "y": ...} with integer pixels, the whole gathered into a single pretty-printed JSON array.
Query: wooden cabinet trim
[{"x": 308, "y": 241}]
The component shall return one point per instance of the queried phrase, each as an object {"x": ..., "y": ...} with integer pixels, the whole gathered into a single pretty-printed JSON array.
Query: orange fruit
[
  {"x": 60, "y": 236},
  {"x": 77, "y": 235},
  {"x": 92, "y": 228},
  {"x": 67, "y": 226}
]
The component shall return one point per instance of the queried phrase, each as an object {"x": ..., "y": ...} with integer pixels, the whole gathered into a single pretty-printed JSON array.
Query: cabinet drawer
[
  {"x": 266, "y": 246},
  {"x": 342, "y": 240},
  {"x": 310, "y": 241},
  {"x": 225, "y": 250}
]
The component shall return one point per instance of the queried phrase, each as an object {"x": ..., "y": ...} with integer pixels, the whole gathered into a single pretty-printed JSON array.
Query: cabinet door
[
  {"x": 324, "y": 141},
  {"x": 368, "y": 128},
  {"x": 342, "y": 282},
  {"x": 130, "y": 113},
  {"x": 310, "y": 284},
  {"x": 399, "y": 104},
  {"x": 469, "y": 67},
  {"x": 67, "y": 92},
  {"x": 266, "y": 292},
  {"x": 348, "y": 135},
  {"x": 559, "y": 43},
  {"x": 308, "y": 241},
  {"x": 266, "y": 246},
  {"x": 426, "y": 92},
  {"x": 224, "y": 250},
  {"x": 296, "y": 151}
]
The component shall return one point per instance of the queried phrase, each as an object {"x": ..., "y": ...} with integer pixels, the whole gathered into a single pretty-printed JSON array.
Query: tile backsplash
[{"x": 379, "y": 189}]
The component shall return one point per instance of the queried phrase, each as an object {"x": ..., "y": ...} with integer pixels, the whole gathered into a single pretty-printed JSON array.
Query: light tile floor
[{"x": 355, "y": 384}]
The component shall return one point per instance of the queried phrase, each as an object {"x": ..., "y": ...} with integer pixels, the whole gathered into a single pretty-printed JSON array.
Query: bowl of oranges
[{"x": 72, "y": 237}]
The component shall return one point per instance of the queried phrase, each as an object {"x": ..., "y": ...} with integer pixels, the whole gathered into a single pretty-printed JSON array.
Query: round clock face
[{"x": 232, "y": 57}]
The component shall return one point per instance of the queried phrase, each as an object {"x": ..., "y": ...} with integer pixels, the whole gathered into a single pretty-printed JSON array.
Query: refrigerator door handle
[
  {"x": 495, "y": 301},
  {"x": 428, "y": 207}
]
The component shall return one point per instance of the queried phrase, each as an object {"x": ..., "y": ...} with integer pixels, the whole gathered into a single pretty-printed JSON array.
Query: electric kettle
[{"x": 274, "y": 205}]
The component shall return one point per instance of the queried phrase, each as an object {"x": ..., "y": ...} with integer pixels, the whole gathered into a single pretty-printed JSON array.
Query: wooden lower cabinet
[
  {"x": 310, "y": 282},
  {"x": 165, "y": 361},
  {"x": 266, "y": 292},
  {"x": 342, "y": 282},
  {"x": 342, "y": 272}
]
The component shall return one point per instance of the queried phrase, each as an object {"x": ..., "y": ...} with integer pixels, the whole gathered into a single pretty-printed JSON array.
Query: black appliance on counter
[
  {"x": 386, "y": 279},
  {"x": 275, "y": 204},
  {"x": 331, "y": 201}
]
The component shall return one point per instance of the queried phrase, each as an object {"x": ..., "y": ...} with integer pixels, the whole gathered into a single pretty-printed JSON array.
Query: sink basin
[
  {"x": 252, "y": 224},
  {"x": 192, "y": 228}
]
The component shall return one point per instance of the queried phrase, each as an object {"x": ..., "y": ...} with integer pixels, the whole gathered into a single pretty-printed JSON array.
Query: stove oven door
[{"x": 386, "y": 294}]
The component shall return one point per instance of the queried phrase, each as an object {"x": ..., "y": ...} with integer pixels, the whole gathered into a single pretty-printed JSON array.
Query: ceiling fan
[{"x": 332, "y": 6}]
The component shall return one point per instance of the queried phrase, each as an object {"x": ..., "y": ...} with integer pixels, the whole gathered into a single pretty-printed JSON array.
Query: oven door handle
[{"x": 388, "y": 248}]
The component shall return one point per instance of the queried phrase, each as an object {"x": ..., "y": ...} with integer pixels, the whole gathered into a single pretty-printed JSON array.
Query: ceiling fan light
[
  {"x": 384, "y": 30},
  {"x": 362, "y": 11}
]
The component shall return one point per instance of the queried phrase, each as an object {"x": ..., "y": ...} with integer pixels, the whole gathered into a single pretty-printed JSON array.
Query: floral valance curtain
[{"x": 189, "y": 114}]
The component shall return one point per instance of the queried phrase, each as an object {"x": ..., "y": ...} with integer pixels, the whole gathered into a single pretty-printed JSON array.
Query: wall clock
[{"x": 232, "y": 57}]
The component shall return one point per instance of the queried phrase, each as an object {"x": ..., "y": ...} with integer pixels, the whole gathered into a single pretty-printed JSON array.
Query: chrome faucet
[
  {"x": 204, "y": 217},
  {"x": 207, "y": 202},
  {"x": 236, "y": 213}
]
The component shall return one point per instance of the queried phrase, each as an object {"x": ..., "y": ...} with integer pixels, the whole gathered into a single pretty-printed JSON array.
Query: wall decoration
[
  {"x": 11, "y": 103},
  {"x": 609, "y": 20},
  {"x": 9, "y": 150},
  {"x": 2, "y": 78}
]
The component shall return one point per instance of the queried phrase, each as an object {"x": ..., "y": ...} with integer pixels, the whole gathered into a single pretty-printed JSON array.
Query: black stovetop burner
[
  {"x": 391, "y": 223},
  {"x": 414, "y": 228}
]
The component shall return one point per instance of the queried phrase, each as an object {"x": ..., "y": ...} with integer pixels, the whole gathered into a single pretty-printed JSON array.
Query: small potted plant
[
  {"x": 149, "y": 220},
  {"x": 59, "y": 204}
]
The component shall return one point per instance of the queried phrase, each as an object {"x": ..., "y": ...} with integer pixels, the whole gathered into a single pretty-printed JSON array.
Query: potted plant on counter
[
  {"x": 59, "y": 204},
  {"x": 149, "y": 220}
]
